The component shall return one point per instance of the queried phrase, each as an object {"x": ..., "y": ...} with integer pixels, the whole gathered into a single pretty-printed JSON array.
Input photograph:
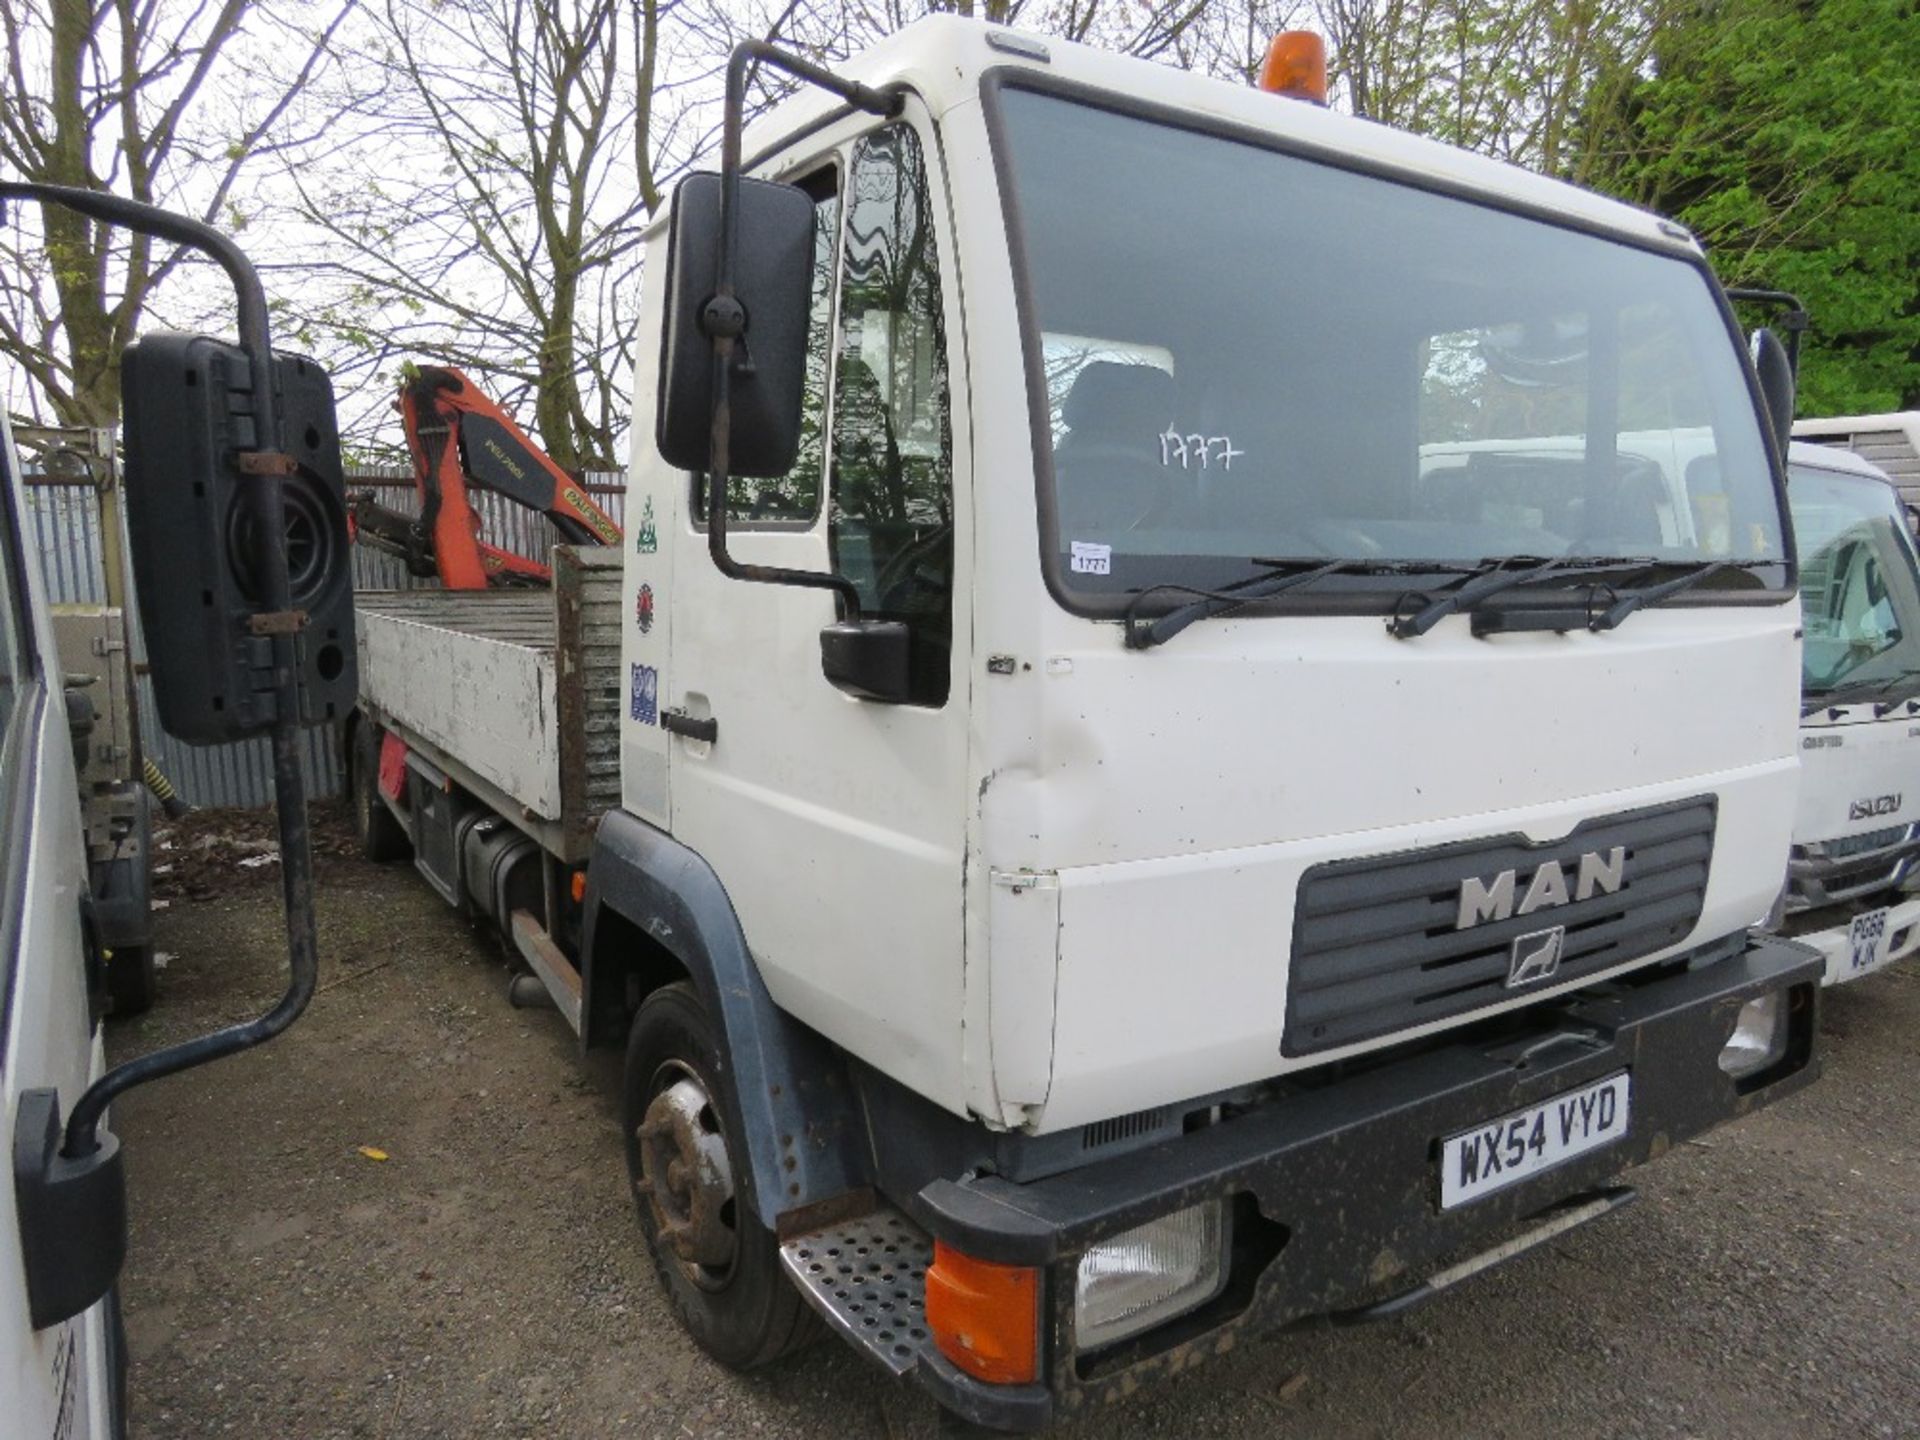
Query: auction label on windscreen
[
  {"x": 1506, "y": 1151},
  {"x": 1086, "y": 558}
]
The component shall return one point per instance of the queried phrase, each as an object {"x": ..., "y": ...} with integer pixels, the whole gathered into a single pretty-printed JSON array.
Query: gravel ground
[{"x": 486, "y": 1278}]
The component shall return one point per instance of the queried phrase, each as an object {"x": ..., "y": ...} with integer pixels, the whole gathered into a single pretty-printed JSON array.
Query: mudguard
[{"x": 790, "y": 1100}]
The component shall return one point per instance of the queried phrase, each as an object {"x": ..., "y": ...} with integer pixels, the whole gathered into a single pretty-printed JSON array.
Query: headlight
[
  {"x": 1759, "y": 1038},
  {"x": 1150, "y": 1274}
]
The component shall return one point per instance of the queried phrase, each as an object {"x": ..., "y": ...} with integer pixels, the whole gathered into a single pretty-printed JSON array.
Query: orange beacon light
[{"x": 1296, "y": 67}]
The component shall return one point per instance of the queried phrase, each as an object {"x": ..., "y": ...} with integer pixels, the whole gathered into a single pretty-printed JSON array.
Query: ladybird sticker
[{"x": 643, "y": 609}]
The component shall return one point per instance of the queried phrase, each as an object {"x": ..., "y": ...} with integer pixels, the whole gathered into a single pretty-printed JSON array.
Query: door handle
[{"x": 678, "y": 722}]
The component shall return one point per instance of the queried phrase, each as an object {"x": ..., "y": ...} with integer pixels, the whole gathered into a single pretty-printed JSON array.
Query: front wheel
[
  {"x": 720, "y": 1265},
  {"x": 131, "y": 981}
]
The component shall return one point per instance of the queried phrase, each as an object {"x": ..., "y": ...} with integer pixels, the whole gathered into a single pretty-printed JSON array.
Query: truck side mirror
[
  {"x": 195, "y": 464},
  {"x": 867, "y": 659},
  {"x": 773, "y": 280},
  {"x": 1774, "y": 367},
  {"x": 253, "y": 494}
]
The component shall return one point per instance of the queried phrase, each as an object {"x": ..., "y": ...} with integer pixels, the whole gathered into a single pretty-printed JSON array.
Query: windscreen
[
  {"x": 1246, "y": 354},
  {"x": 1859, "y": 587}
]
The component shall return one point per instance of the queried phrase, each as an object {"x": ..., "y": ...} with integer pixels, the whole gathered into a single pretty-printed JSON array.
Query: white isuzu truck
[
  {"x": 1856, "y": 837},
  {"x": 1102, "y": 823}
]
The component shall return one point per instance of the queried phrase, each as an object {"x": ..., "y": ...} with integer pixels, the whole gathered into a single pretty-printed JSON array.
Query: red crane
[{"x": 459, "y": 438}]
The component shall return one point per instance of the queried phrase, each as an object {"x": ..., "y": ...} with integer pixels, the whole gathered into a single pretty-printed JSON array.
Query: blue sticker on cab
[{"x": 645, "y": 695}]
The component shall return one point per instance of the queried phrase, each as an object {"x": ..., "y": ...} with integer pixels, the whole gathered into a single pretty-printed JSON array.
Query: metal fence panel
[{"x": 63, "y": 522}]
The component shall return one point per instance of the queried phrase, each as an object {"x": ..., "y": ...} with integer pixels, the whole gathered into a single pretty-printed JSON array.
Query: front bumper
[
  {"x": 1835, "y": 946},
  {"x": 1334, "y": 1189}
]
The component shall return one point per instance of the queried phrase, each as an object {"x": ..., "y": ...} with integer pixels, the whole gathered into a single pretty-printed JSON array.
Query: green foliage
[{"x": 1784, "y": 134}]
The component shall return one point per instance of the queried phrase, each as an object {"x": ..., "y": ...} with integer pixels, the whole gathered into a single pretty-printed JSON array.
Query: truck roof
[
  {"x": 1890, "y": 440},
  {"x": 1843, "y": 424},
  {"x": 1834, "y": 457},
  {"x": 944, "y": 57}
]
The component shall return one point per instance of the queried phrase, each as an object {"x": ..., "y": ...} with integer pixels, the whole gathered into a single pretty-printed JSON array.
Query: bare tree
[
  {"x": 151, "y": 101},
  {"x": 1148, "y": 28},
  {"x": 506, "y": 155}
]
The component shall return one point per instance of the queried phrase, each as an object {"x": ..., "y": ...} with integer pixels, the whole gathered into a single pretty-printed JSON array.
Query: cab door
[
  {"x": 838, "y": 825},
  {"x": 60, "y": 1381}
]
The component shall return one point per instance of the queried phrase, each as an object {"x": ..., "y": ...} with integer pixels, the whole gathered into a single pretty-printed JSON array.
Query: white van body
[{"x": 63, "y": 1381}]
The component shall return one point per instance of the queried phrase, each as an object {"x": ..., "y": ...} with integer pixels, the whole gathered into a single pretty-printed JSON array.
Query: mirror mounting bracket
[
  {"x": 1794, "y": 317},
  {"x": 724, "y": 318},
  {"x": 72, "y": 1209},
  {"x": 724, "y": 315}
]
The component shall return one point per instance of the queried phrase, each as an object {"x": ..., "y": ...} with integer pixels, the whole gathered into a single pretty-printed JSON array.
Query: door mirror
[
  {"x": 772, "y": 281},
  {"x": 195, "y": 467},
  {"x": 867, "y": 659},
  {"x": 1774, "y": 367},
  {"x": 263, "y": 486}
]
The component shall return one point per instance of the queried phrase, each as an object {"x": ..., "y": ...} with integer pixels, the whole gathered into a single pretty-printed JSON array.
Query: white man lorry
[
  {"x": 1856, "y": 837},
  {"x": 1097, "y": 841}
]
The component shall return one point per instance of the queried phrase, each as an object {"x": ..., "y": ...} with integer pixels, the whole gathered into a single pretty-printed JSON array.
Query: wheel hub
[{"x": 687, "y": 1179}]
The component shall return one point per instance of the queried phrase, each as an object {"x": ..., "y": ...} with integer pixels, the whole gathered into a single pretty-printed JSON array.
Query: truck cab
[
  {"x": 1074, "y": 355},
  {"x": 1852, "y": 876}
]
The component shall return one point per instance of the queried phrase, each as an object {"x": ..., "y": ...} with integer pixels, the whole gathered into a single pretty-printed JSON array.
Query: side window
[
  {"x": 891, "y": 508},
  {"x": 15, "y": 665},
  {"x": 14, "y": 658},
  {"x": 793, "y": 500}
]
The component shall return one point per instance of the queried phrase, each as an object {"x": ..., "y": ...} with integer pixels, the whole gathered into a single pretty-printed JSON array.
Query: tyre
[
  {"x": 381, "y": 835},
  {"x": 116, "y": 1358},
  {"x": 131, "y": 985},
  {"x": 720, "y": 1266}
]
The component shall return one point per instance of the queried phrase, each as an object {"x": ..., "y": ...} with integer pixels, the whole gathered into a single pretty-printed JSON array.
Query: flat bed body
[{"x": 516, "y": 692}]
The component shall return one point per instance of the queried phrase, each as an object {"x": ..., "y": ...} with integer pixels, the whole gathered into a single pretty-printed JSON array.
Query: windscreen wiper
[
  {"x": 1873, "y": 692},
  {"x": 1490, "y": 577},
  {"x": 1653, "y": 594},
  {"x": 1283, "y": 575},
  {"x": 1885, "y": 707}
]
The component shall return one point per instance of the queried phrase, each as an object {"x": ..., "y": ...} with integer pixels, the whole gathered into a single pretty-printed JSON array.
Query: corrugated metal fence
[{"x": 63, "y": 520}]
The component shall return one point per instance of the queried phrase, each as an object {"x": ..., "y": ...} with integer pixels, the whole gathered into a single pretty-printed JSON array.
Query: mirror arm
[
  {"x": 723, "y": 319},
  {"x": 1794, "y": 318},
  {"x": 263, "y": 491},
  {"x": 182, "y": 230}
]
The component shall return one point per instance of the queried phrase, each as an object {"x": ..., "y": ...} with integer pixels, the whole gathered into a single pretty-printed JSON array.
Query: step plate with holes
[{"x": 867, "y": 1277}]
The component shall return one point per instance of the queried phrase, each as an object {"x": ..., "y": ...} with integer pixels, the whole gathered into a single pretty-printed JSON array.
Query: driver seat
[{"x": 1108, "y": 467}]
